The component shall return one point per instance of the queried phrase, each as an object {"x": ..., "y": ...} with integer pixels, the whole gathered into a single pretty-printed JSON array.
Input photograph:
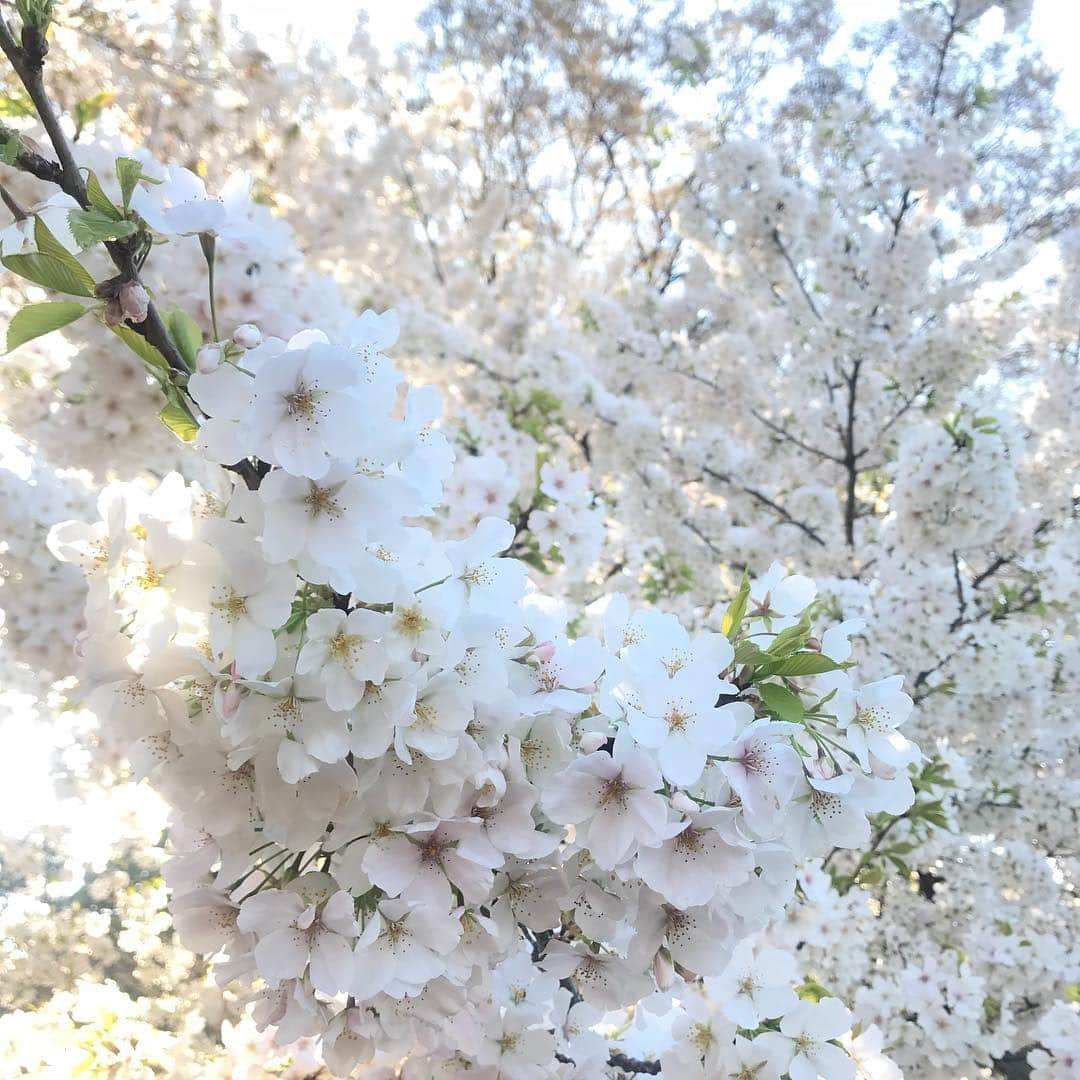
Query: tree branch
[
  {"x": 795, "y": 274},
  {"x": 29, "y": 66},
  {"x": 634, "y": 1065},
  {"x": 762, "y": 498}
]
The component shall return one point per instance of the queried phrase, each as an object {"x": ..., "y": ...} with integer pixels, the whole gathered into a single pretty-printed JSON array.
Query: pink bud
[
  {"x": 134, "y": 301},
  {"x": 663, "y": 970},
  {"x": 544, "y": 651},
  {"x": 230, "y": 700}
]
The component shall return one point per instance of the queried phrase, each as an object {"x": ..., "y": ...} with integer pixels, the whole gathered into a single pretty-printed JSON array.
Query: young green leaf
[
  {"x": 89, "y": 109},
  {"x": 129, "y": 173},
  {"x": 91, "y": 227},
  {"x": 807, "y": 663},
  {"x": 48, "y": 271},
  {"x": 792, "y": 639},
  {"x": 782, "y": 702},
  {"x": 177, "y": 416},
  {"x": 98, "y": 199},
  {"x": 35, "y": 320},
  {"x": 733, "y": 617},
  {"x": 150, "y": 356},
  {"x": 186, "y": 333}
]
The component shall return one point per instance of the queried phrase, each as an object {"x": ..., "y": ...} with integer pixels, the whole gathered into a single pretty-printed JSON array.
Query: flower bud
[
  {"x": 544, "y": 651},
  {"x": 592, "y": 741},
  {"x": 134, "y": 301},
  {"x": 663, "y": 970},
  {"x": 682, "y": 802},
  {"x": 208, "y": 359},
  {"x": 247, "y": 336}
]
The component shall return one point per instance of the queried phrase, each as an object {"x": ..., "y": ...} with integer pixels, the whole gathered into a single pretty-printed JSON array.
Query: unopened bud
[
  {"x": 663, "y": 970},
  {"x": 544, "y": 651},
  {"x": 208, "y": 359},
  {"x": 230, "y": 700},
  {"x": 591, "y": 741},
  {"x": 813, "y": 643},
  {"x": 134, "y": 301},
  {"x": 247, "y": 336},
  {"x": 682, "y": 802}
]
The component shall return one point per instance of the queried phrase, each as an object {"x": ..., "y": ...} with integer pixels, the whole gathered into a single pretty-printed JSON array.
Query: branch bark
[{"x": 29, "y": 67}]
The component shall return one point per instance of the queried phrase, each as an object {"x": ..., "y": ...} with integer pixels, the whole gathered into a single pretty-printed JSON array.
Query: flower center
[
  {"x": 344, "y": 647},
  {"x": 302, "y": 401},
  {"x": 320, "y": 503},
  {"x": 233, "y": 606}
]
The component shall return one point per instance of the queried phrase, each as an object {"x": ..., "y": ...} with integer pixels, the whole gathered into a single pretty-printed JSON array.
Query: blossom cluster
[{"x": 405, "y": 787}]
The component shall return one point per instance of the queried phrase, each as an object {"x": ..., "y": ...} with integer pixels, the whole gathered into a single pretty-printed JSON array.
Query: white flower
[
  {"x": 18, "y": 237},
  {"x": 829, "y": 815},
  {"x": 181, "y": 206},
  {"x": 879, "y": 709},
  {"x": 762, "y": 769},
  {"x": 302, "y": 415},
  {"x": 404, "y": 945},
  {"x": 349, "y": 1041},
  {"x": 679, "y": 719},
  {"x": 804, "y": 1035},
  {"x": 612, "y": 799},
  {"x": 691, "y": 867},
  {"x": 479, "y": 578},
  {"x": 321, "y": 519},
  {"x": 345, "y": 650},
  {"x": 756, "y": 986},
  {"x": 309, "y": 922},
  {"x": 249, "y": 600}
]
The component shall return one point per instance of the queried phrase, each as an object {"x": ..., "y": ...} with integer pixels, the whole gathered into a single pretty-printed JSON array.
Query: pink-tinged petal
[
  {"x": 282, "y": 955},
  {"x": 331, "y": 963},
  {"x": 392, "y": 864},
  {"x": 337, "y": 914}
]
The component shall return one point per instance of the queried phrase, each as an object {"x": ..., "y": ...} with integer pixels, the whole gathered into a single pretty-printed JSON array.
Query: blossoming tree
[{"x": 479, "y": 729}]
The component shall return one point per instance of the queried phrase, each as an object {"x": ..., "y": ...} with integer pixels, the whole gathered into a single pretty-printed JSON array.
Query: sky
[{"x": 1055, "y": 27}]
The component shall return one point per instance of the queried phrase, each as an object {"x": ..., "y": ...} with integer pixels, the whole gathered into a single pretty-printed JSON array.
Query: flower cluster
[{"x": 405, "y": 787}]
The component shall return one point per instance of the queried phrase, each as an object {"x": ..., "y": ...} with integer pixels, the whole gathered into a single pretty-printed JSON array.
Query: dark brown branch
[
  {"x": 795, "y": 274},
  {"x": 29, "y": 66},
  {"x": 788, "y": 437},
  {"x": 633, "y": 1065},
  {"x": 764, "y": 499},
  {"x": 851, "y": 458}
]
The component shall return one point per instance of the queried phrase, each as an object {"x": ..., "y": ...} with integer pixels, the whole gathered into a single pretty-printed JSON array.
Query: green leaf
[
  {"x": 17, "y": 104},
  {"x": 782, "y": 702},
  {"x": 733, "y": 617},
  {"x": 129, "y": 173},
  {"x": 9, "y": 149},
  {"x": 185, "y": 331},
  {"x": 178, "y": 419},
  {"x": 812, "y": 990},
  {"x": 792, "y": 639},
  {"x": 142, "y": 348},
  {"x": 48, "y": 271},
  {"x": 89, "y": 109},
  {"x": 98, "y": 199},
  {"x": 35, "y": 320},
  {"x": 52, "y": 265},
  {"x": 746, "y": 652},
  {"x": 91, "y": 227},
  {"x": 807, "y": 663}
]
